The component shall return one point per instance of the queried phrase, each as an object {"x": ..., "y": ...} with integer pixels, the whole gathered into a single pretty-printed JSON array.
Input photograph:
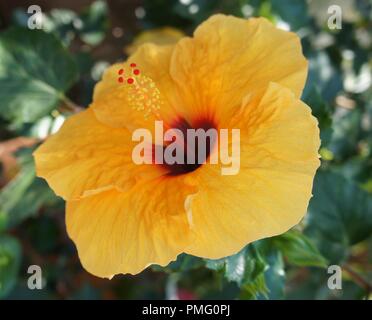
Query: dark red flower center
[{"x": 197, "y": 147}]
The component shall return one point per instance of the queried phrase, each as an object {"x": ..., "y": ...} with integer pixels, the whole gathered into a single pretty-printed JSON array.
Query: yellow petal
[
  {"x": 270, "y": 194},
  {"x": 120, "y": 105},
  {"x": 125, "y": 232},
  {"x": 86, "y": 157},
  {"x": 160, "y": 36},
  {"x": 229, "y": 58}
]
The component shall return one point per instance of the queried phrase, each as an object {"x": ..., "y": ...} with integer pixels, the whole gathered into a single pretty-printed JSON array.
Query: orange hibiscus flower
[{"x": 232, "y": 73}]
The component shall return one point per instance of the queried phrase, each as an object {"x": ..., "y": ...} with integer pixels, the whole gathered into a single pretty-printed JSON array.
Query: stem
[
  {"x": 359, "y": 280},
  {"x": 69, "y": 105}
]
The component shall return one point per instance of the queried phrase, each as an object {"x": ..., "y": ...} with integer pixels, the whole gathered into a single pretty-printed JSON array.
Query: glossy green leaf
[
  {"x": 245, "y": 268},
  {"x": 233, "y": 267},
  {"x": 35, "y": 72},
  {"x": 299, "y": 250}
]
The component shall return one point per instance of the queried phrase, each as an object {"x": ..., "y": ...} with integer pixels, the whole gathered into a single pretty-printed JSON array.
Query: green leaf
[
  {"x": 251, "y": 289},
  {"x": 217, "y": 265},
  {"x": 299, "y": 250},
  {"x": 292, "y": 12},
  {"x": 346, "y": 133},
  {"x": 13, "y": 192},
  {"x": 256, "y": 264},
  {"x": 254, "y": 281},
  {"x": 322, "y": 111},
  {"x": 3, "y": 221},
  {"x": 324, "y": 75},
  {"x": 35, "y": 71},
  {"x": 233, "y": 267},
  {"x": 94, "y": 23},
  {"x": 274, "y": 277},
  {"x": 10, "y": 259},
  {"x": 60, "y": 22},
  {"x": 24, "y": 195},
  {"x": 184, "y": 263},
  {"x": 340, "y": 214},
  {"x": 244, "y": 268}
]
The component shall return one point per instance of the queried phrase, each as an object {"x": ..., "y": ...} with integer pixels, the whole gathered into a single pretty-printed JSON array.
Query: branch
[
  {"x": 358, "y": 279},
  {"x": 69, "y": 105}
]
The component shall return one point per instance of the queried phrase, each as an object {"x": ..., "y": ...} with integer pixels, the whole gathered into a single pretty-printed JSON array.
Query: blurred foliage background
[{"x": 45, "y": 75}]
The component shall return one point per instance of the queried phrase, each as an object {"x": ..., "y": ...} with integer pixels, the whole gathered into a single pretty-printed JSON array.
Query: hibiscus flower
[{"x": 233, "y": 73}]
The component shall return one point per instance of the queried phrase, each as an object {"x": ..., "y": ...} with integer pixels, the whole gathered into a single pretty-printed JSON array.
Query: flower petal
[
  {"x": 119, "y": 105},
  {"x": 161, "y": 36},
  {"x": 270, "y": 194},
  {"x": 229, "y": 57},
  {"x": 86, "y": 157},
  {"x": 125, "y": 232}
]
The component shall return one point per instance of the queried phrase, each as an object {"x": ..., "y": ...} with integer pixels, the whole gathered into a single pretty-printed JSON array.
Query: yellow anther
[{"x": 143, "y": 95}]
